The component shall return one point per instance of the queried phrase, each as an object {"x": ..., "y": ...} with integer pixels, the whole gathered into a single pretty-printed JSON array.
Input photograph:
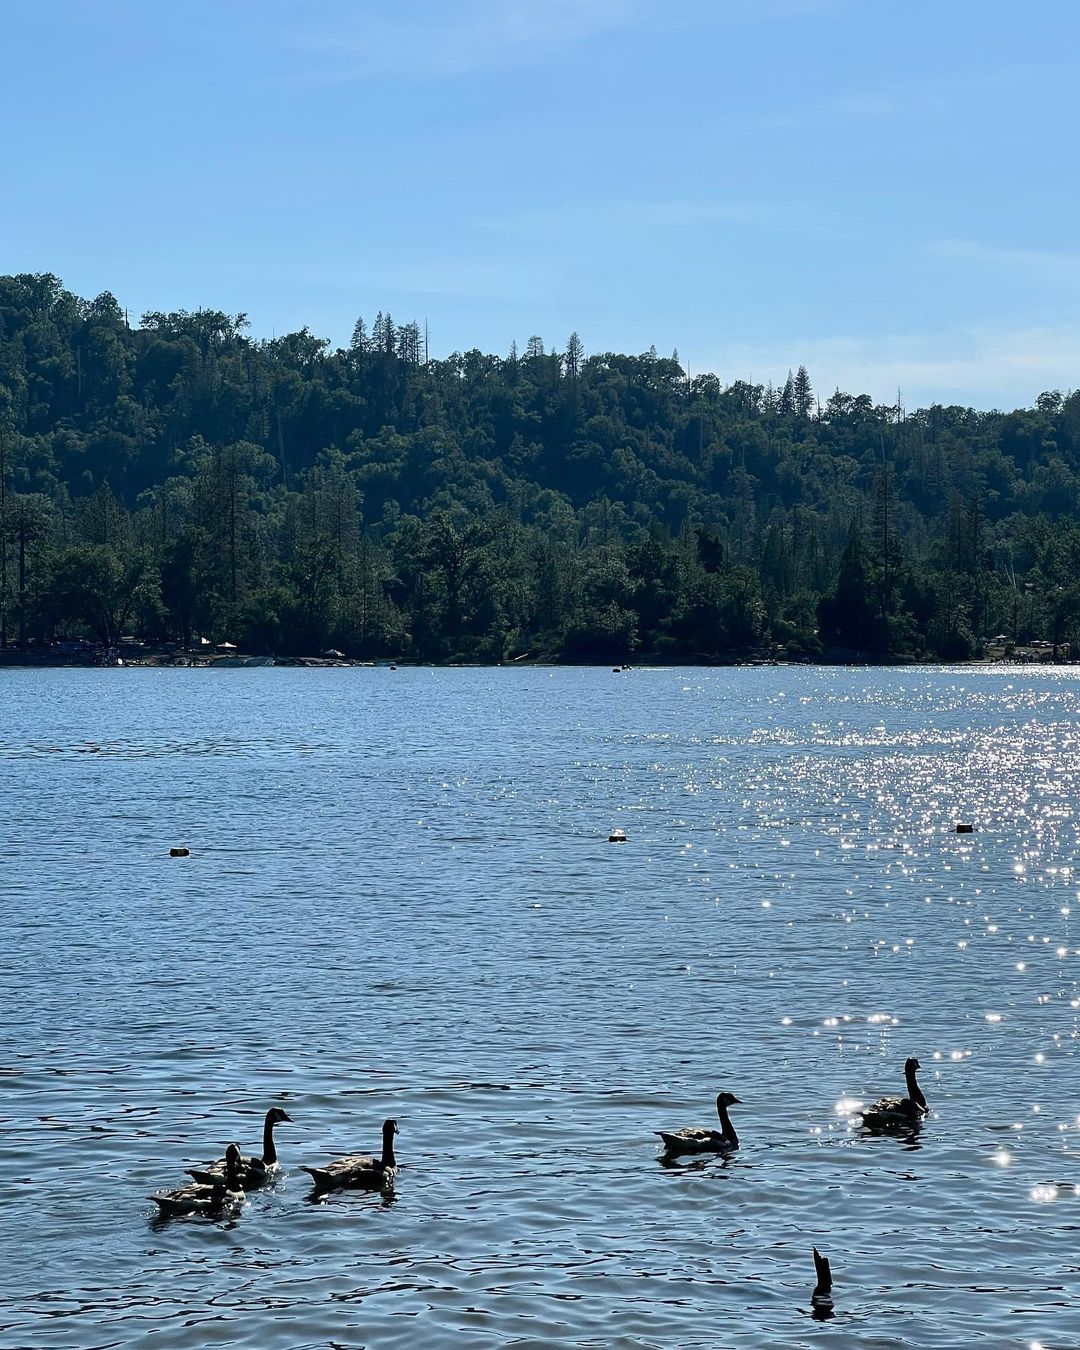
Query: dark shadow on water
[
  {"x": 159, "y": 1223},
  {"x": 908, "y": 1136},
  {"x": 821, "y": 1312},
  {"x": 694, "y": 1162},
  {"x": 345, "y": 1193}
]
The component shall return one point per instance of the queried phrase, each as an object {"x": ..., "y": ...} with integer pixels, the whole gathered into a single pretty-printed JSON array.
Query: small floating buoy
[
  {"x": 965, "y": 828},
  {"x": 179, "y": 852},
  {"x": 616, "y": 837}
]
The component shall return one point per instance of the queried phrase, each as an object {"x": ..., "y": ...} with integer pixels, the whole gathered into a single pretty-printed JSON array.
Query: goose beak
[{"x": 285, "y": 1116}]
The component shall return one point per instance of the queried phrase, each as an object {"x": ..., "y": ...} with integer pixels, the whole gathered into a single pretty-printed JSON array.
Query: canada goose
[
  {"x": 821, "y": 1303},
  {"x": 692, "y": 1140},
  {"x": 253, "y": 1171},
  {"x": 905, "y": 1112},
  {"x": 360, "y": 1169},
  {"x": 196, "y": 1198}
]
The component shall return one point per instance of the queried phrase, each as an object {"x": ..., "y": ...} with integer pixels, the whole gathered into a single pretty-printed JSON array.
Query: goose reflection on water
[
  {"x": 384, "y": 1197},
  {"x": 712, "y": 1162}
]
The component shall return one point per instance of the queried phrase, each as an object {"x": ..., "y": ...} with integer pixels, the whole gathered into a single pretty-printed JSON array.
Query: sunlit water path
[{"x": 401, "y": 901}]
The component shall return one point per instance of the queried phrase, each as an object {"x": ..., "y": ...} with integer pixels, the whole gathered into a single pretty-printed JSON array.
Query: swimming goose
[
  {"x": 360, "y": 1169},
  {"x": 905, "y": 1112},
  {"x": 821, "y": 1299},
  {"x": 253, "y": 1171},
  {"x": 195, "y": 1198},
  {"x": 692, "y": 1140}
]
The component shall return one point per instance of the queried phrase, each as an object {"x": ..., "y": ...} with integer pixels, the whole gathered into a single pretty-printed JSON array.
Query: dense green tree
[
  {"x": 184, "y": 479},
  {"x": 802, "y": 394},
  {"x": 851, "y": 616}
]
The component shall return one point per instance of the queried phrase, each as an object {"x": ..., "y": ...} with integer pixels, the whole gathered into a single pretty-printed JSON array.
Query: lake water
[{"x": 401, "y": 901}]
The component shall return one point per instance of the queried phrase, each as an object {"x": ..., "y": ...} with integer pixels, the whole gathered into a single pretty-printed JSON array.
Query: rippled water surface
[{"x": 401, "y": 901}]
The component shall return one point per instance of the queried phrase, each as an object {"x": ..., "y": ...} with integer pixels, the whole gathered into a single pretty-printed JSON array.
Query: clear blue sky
[{"x": 884, "y": 190}]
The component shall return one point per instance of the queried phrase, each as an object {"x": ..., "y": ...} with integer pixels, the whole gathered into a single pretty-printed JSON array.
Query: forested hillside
[{"x": 176, "y": 477}]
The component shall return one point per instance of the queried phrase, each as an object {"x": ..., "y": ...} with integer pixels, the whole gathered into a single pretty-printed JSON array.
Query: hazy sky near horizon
[{"x": 884, "y": 192}]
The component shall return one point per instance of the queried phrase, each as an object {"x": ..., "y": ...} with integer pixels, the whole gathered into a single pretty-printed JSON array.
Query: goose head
[
  {"x": 915, "y": 1092},
  {"x": 233, "y": 1158},
  {"x": 276, "y": 1115},
  {"x": 726, "y": 1099}
]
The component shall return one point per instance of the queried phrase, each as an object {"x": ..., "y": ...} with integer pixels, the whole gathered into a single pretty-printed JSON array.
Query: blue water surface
[{"x": 400, "y": 901}]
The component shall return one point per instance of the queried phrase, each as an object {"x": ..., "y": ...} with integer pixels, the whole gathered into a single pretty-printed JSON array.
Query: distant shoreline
[{"x": 97, "y": 660}]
